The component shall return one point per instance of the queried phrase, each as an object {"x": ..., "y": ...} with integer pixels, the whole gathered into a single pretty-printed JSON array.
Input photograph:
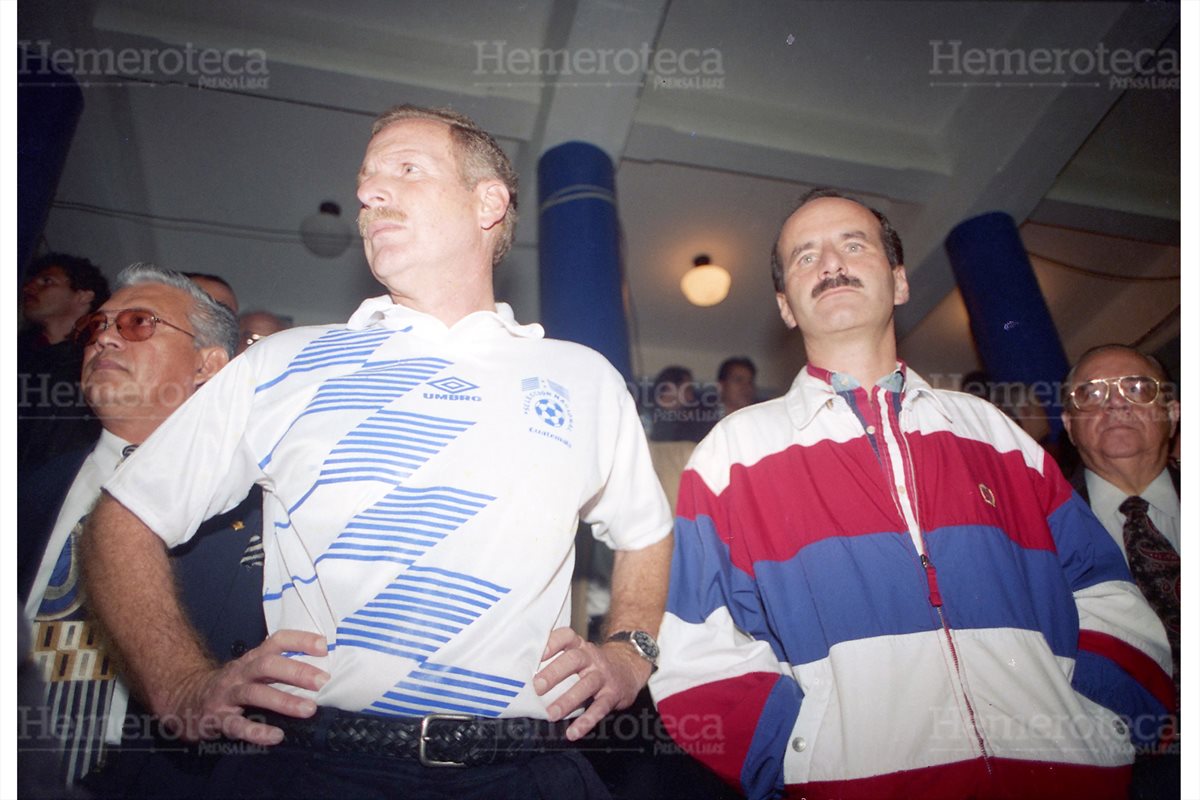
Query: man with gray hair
[
  {"x": 425, "y": 467},
  {"x": 147, "y": 349}
]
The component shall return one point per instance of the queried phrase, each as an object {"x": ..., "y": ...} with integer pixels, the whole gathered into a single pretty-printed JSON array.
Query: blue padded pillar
[
  {"x": 1014, "y": 333},
  {"x": 579, "y": 251},
  {"x": 48, "y": 107}
]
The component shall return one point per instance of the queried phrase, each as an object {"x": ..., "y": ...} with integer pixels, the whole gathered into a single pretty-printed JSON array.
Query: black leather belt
[{"x": 438, "y": 740}]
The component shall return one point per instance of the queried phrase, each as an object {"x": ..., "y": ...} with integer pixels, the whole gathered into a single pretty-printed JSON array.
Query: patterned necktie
[
  {"x": 1155, "y": 567},
  {"x": 79, "y": 675},
  {"x": 77, "y": 670}
]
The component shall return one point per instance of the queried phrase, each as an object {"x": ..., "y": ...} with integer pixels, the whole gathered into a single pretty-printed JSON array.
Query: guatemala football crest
[{"x": 546, "y": 406}]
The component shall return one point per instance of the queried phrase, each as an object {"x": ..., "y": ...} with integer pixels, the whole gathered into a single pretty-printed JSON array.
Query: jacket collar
[{"x": 816, "y": 389}]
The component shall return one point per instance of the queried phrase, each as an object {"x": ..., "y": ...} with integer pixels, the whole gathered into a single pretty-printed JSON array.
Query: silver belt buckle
[{"x": 425, "y": 760}]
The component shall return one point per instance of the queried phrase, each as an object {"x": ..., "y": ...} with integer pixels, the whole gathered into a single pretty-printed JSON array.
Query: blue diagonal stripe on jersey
[
  {"x": 419, "y": 612},
  {"x": 388, "y": 447},
  {"x": 374, "y": 385},
  {"x": 441, "y": 689},
  {"x": 405, "y": 523},
  {"x": 332, "y": 348}
]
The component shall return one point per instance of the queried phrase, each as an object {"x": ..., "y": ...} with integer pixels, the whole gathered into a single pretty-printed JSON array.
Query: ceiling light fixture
[
  {"x": 705, "y": 284},
  {"x": 325, "y": 233}
]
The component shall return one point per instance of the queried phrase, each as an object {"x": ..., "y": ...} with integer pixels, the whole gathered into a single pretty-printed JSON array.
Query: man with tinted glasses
[
  {"x": 147, "y": 349},
  {"x": 1121, "y": 415}
]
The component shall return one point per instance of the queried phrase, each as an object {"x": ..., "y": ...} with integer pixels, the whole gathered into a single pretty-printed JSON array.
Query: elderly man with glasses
[
  {"x": 1121, "y": 415},
  {"x": 146, "y": 350}
]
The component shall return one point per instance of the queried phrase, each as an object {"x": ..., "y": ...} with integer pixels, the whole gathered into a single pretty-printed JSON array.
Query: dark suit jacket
[
  {"x": 52, "y": 418},
  {"x": 222, "y": 597},
  {"x": 224, "y": 601},
  {"x": 40, "y": 495}
]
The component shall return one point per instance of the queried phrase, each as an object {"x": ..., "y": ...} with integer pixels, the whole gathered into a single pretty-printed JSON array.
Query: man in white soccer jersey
[{"x": 425, "y": 466}]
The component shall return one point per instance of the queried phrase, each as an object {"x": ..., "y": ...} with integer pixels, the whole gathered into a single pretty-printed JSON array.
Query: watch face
[{"x": 645, "y": 642}]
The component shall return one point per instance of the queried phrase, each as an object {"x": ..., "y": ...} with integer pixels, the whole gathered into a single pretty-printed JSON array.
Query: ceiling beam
[{"x": 1011, "y": 142}]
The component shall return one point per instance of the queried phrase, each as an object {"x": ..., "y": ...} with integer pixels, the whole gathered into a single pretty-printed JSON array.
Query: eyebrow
[{"x": 401, "y": 153}]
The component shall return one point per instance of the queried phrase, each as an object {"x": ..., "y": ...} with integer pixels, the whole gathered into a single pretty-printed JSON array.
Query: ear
[
  {"x": 901, "y": 279},
  {"x": 1173, "y": 411},
  {"x": 209, "y": 361},
  {"x": 1066, "y": 421},
  {"x": 785, "y": 311},
  {"x": 493, "y": 203}
]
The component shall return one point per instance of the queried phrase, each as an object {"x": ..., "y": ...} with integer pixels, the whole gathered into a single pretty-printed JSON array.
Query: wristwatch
[{"x": 643, "y": 643}]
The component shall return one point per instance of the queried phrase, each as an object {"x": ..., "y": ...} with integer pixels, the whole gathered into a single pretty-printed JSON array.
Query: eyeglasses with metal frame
[
  {"x": 133, "y": 324},
  {"x": 1141, "y": 390}
]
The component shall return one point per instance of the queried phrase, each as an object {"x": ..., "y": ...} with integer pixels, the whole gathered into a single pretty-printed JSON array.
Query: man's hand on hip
[
  {"x": 610, "y": 676},
  {"x": 212, "y": 702}
]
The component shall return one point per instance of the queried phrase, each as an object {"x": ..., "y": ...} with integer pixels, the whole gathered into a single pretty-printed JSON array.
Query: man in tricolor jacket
[{"x": 880, "y": 589}]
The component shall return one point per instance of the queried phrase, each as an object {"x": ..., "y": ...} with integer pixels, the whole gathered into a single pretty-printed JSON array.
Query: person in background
[
  {"x": 678, "y": 415},
  {"x": 1121, "y": 414},
  {"x": 218, "y": 289},
  {"x": 52, "y": 418},
  {"x": 735, "y": 377},
  {"x": 255, "y": 325}
]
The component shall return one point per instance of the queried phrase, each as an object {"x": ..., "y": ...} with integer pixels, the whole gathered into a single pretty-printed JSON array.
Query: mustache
[
  {"x": 836, "y": 282},
  {"x": 367, "y": 216}
]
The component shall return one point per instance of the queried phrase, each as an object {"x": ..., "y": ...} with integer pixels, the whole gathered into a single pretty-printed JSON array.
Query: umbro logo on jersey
[{"x": 451, "y": 388}]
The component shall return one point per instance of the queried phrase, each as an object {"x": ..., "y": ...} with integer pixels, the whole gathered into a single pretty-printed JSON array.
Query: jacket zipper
[
  {"x": 935, "y": 600},
  {"x": 935, "y": 595}
]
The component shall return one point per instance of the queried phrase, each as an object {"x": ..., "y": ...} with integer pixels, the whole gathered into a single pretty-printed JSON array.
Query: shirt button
[
  {"x": 901, "y": 490},
  {"x": 798, "y": 744},
  {"x": 829, "y": 403},
  {"x": 871, "y": 429}
]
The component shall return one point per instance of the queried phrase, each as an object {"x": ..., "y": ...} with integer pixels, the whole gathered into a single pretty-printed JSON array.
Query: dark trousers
[
  {"x": 1156, "y": 776},
  {"x": 292, "y": 772}
]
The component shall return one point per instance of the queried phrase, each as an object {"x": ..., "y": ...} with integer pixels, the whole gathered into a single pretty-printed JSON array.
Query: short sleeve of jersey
[
  {"x": 630, "y": 511},
  {"x": 196, "y": 464}
]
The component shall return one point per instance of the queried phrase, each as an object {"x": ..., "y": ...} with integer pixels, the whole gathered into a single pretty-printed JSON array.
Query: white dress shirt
[{"x": 1163, "y": 511}]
